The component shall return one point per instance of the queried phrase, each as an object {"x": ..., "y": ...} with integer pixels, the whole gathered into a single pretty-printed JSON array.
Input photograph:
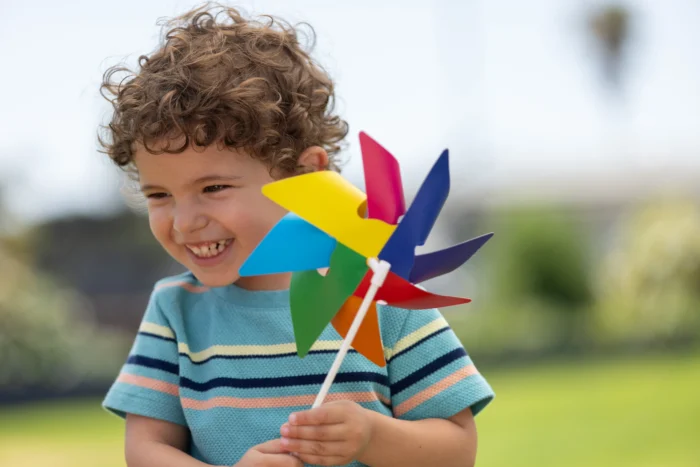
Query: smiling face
[{"x": 206, "y": 209}]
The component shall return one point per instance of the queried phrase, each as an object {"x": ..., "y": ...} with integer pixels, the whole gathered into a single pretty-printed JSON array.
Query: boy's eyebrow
[
  {"x": 204, "y": 179},
  {"x": 211, "y": 178}
]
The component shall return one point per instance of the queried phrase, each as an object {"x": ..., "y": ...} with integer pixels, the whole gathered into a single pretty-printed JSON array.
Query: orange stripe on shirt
[
  {"x": 185, "y": 285},
  {"x": 149, "y": 383},
  {"x": 433, "y": 390},
  {"x": 272, "y": 402}
]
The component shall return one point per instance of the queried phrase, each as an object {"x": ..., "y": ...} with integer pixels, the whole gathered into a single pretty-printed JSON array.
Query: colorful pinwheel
[{"x": 332, "y": 224}]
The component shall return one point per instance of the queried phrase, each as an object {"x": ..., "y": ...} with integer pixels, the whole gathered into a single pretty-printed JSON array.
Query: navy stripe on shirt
[
  {"x": 284, "y": 381},
  {"x": 301, "y": 380},
  {"x": 249, "y": 383},
  {"x": 413, "y": 346},
  {"x": 427, "y": 370},
  {"x": 148, "y": 362}
]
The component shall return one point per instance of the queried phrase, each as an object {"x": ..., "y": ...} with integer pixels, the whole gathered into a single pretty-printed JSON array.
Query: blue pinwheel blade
[
  {"x": 414, "y": 228},
  {"x": 441, "y": 262},
  {"x": 291, "y": 245}
]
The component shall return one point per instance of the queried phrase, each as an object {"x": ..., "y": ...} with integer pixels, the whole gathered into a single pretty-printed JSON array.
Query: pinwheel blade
[
  {"x": 414, "y": 228},
  {"x": 291, "y": 245},
  {"x": 441, "y": 262},
  {"x": 385, "y": 200}
]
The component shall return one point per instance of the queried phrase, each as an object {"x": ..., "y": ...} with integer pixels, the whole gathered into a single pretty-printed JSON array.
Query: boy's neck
[{"x": 266, "y": 282}]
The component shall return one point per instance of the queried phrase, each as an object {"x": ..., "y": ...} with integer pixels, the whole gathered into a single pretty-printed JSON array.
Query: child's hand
[
  {"x": 269, "y": 454},
  {"x": 333, "y": 434}
]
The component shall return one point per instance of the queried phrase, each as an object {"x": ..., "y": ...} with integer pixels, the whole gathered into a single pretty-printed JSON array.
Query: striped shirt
[{"x": 222, "y": 362}]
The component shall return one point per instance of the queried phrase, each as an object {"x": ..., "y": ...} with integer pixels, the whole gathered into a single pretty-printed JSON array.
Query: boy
[{"x": 223, "y": 107}]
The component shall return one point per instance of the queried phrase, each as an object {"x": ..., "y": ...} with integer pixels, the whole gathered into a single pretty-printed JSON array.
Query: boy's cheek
[
  {"x": 157, "y": 223},
  {"x": 254, "y": 222}
]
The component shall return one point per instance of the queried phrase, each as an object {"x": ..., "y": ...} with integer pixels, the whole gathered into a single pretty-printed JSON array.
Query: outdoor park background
[{"x": 573, "y": 128}]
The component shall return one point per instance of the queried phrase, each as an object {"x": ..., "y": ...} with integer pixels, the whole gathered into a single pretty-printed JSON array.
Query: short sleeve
[
  {"x": 148, "y": 383},
  {"x": 430, "y": 373}
]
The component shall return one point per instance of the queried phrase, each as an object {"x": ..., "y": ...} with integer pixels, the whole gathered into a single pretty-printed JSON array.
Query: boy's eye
[
  {"x": 156, "y": 195},
  {"x": 215, "y": 188}
]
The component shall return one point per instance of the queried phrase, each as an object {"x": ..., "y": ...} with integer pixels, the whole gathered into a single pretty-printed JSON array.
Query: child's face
[{"x": 207, "y": 210}]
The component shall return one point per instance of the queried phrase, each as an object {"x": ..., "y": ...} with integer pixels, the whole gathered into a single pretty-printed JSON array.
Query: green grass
[
  {"x": 75, "y": 434},
  {"x": 621, "y": 413},
  {"x": 641, "y": 413}
]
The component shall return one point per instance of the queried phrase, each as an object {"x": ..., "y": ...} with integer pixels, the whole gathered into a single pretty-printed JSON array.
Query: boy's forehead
[
  {"x": 193, "y": 166},
  {"x": 211, "y": 178}
]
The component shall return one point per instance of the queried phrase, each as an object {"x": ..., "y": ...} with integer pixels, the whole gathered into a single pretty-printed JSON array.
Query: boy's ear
[{"x": 313, "y": 159}]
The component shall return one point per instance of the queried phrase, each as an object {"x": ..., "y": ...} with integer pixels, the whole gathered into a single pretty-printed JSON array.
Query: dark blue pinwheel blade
[
  {"x": 437, "y": 263},
  {"x": 414, "y": 228}
]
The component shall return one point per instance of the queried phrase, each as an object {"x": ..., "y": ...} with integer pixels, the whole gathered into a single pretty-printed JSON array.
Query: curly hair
[{"x": 219, "y": 78}]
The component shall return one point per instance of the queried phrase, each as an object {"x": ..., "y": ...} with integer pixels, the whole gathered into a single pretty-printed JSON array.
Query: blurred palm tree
[{"x": 609, "y": 26}]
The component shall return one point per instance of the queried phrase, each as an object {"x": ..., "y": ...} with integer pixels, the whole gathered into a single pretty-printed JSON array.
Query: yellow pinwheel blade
[{"x": 331, "y": 203}]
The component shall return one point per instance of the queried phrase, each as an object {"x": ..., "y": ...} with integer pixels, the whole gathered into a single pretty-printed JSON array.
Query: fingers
[
  {"x": 282, "y": 460},
  {"x": 287, "y": 461},
  {"x": 315, "y": 432},
  {"x": 323, "y": 460},
  {"x": 274, "y": 446},
  {"x": 326, "y": 414},
  {"x": 331, "y": 434},
  {"x": 276, "y": 456},
  {"x": 319, "y": 452}
]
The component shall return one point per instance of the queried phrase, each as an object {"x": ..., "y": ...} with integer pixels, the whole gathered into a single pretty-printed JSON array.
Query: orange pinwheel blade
[{"x": 368, "y": 340}]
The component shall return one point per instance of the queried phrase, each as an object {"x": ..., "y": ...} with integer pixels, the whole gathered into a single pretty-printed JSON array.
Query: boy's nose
[{"x": 188, "y": 219}]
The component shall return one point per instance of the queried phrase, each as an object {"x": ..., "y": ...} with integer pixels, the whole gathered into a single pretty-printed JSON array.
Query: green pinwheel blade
[{"x": 315, "y": 299}]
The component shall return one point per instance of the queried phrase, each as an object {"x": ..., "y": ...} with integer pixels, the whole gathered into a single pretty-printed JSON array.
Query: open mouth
[{"x": 209, "y": 249}]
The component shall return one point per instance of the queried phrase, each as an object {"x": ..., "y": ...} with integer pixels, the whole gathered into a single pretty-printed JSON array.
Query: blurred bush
[
  {"x": 542, "y": 289},
  {"x": 534, "y": 284},
  {"x": 47, "y": 335},
  {"x": 649, "y": 287},
  {"x": 541, "y": 255}
]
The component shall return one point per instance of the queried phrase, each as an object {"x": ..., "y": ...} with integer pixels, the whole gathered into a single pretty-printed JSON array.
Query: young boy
[{"x": 223, "y": 107}]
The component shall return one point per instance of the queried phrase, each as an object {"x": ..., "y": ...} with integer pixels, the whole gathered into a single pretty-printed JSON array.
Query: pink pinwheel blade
[{"x": 385, "y": 200}]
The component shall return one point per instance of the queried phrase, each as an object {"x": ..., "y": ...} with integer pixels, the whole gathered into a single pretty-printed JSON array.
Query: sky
[{"x": 510, "y": 87}]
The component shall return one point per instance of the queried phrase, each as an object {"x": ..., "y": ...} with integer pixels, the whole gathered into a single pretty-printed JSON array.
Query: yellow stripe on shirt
[
  {"x": 251, "y": 350},
  {"x": 415, "y": 337},
  {"x": 157, "y": 330}
]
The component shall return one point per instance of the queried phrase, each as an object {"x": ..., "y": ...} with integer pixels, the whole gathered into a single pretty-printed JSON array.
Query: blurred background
[{"x": 574, "y": 135}]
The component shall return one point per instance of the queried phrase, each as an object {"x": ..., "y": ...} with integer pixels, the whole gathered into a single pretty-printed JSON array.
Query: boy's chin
[
  {"x": 267, "y": 282},
  {"x": 214, "y": 280}
]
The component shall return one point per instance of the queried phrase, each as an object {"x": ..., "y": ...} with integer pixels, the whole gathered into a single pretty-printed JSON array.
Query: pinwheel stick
[{"x": 380, "y": 269}]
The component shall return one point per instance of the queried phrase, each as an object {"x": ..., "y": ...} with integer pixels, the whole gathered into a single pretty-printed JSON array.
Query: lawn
[
  {"x": 636, "y": 413},
  {"x": 621, "y": 413}
]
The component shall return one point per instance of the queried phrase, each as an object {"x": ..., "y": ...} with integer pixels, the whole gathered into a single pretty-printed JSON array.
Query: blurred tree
[
  {"x": 4, "y": 214},
  {"x": 534, "y": 284},
  {"x": 541, "y": 255},
  {"x": 609, "y": 27},
  {"x": 47, "y": 335},
  {"x": 112, "y": 261},
  {"x": 649, "y": 287}
]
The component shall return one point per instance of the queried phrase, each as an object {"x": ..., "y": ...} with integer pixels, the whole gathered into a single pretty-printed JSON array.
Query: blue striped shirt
[{"x": 222, "y": 362}]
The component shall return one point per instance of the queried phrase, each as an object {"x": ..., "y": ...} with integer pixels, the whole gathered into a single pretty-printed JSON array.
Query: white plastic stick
[{"x": 380, "y": 269}]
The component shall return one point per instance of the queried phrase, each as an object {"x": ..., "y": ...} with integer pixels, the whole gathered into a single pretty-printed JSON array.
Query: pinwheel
[{"x": 367, "y": 244}]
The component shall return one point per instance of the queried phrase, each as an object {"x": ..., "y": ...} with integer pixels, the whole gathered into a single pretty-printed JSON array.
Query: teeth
[{"x": 212, "y": 249}]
